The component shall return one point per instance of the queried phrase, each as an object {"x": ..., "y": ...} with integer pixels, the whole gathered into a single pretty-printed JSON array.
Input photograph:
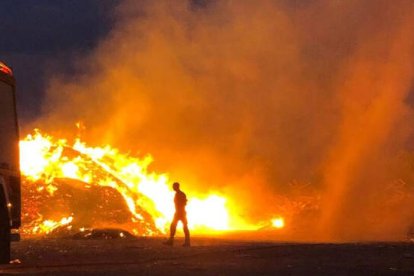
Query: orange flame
[
  {"x": 49, "y": 225},
  {"x": 43, "y": 158},
  {"x": 278, "y": 222}
]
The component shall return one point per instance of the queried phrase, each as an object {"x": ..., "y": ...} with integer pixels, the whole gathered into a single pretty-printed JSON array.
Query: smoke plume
[{"x": 248, "y": 98}]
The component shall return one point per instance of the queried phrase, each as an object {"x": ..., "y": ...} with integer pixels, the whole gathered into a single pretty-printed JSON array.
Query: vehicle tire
[{"x": 4, "y": 231}]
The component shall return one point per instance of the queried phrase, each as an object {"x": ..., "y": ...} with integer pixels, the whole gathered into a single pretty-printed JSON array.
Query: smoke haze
[{"x": 252, "y": 99}]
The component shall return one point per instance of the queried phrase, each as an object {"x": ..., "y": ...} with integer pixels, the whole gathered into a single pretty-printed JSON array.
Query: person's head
[{"x": 176, "y": 186}]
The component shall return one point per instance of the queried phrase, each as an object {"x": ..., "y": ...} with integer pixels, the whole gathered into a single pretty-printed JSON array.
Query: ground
[{"x": 148, "y": 256}]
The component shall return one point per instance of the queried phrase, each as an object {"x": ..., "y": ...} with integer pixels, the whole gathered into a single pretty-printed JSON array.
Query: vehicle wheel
[{"x": 4, "y": 232}]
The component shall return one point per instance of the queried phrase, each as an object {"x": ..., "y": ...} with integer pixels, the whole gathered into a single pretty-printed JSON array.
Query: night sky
[{"x": 46, "y": 35}]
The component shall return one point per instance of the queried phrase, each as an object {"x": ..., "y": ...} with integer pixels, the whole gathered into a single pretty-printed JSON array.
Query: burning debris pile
[
  {"x": 77, "y": 187},
  {"x": 83, "y": 207}
]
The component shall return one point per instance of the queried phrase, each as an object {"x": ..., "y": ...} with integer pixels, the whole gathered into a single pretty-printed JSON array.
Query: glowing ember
[
  {"x": 49, "y": 225},
  {"x": 278, "y": 222},
  {"x": 44, "y": 159}
]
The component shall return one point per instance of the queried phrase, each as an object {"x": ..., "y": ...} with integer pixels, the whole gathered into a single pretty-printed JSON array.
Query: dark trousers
[{"x": 180, "y": 216}]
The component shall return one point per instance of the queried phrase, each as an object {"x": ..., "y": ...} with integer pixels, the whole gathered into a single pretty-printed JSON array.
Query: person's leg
[
  {"x": 186, "y": 231},
  {"x": 173, "y": 228}
]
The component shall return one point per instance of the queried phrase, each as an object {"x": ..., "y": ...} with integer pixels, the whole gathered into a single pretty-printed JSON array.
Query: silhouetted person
[{"x": 180, "y": 201}]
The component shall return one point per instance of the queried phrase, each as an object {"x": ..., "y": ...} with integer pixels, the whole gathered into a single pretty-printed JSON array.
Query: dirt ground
[{"x": 148, "y": 256}]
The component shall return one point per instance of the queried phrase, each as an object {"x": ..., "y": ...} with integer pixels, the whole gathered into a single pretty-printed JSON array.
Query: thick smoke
[{"x": 247, "y": 97}]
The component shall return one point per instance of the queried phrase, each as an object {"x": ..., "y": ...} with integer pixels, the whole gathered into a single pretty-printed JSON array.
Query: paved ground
[{"x": 207, "y": 257}]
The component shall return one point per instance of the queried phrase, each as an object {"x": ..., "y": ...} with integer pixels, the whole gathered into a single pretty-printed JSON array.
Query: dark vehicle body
[{"x": 10, "y": 194}]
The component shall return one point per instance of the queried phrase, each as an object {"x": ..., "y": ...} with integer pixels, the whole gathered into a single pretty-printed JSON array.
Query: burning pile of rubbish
[
  {"x": 76, "y": 187},
  {"x": 75, "y": 206}
]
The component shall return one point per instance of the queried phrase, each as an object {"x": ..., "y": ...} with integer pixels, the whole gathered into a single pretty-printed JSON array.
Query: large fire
[{"x": 46, "y": 162}]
